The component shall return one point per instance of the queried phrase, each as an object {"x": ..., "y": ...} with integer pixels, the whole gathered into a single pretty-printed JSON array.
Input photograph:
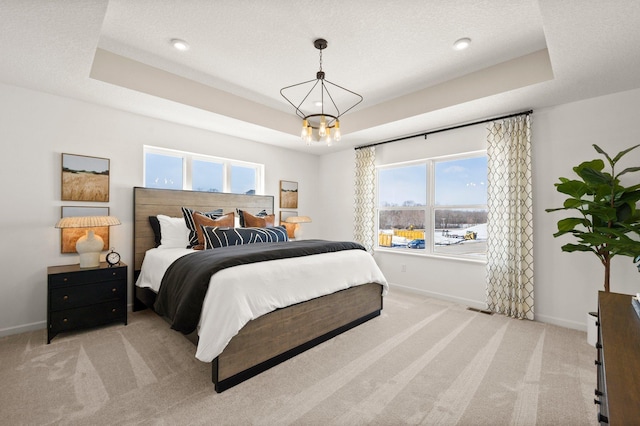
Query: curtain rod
[{"x": 431, "y": 132}]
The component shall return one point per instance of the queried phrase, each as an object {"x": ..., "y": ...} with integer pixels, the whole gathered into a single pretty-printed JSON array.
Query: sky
[
  {"x": 462, "y": 181},
  {"x": 164, "y": 171},
  {"x": 81, "y": 162}
]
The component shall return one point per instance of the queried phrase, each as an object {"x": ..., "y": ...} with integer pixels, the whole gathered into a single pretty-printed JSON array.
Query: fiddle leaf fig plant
[{"x": 606, "y": 220}]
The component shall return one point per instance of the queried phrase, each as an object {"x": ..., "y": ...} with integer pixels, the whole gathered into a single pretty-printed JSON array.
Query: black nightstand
[{"x": 80, "y": 298}]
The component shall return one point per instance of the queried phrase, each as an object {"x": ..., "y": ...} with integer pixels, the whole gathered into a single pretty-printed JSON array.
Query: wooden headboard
[{"x": 151, "y": 202}]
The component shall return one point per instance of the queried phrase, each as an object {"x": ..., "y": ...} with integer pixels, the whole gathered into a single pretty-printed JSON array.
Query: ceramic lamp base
[{"x": 89, "y": 247}]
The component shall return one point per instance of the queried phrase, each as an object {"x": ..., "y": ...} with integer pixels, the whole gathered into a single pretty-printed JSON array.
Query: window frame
[
  {"x": 187, "y": 167},
  {"x": 429, "y": 209}
]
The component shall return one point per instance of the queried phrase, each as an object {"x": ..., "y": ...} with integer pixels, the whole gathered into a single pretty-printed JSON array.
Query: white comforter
[{"x": 240, "y": 294}]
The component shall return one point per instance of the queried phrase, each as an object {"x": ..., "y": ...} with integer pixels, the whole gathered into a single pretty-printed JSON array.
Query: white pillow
[{"x": 174, "y": 232}]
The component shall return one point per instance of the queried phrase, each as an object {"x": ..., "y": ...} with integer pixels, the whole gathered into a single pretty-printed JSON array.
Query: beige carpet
[{"x": 423, "y": 361}]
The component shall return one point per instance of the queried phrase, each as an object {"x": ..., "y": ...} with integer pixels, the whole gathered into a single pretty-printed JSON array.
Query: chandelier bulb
[
  {"x": 337, "y": 135},
  {"x": 322, "y": 131},
  {"x": 305, "y": 125},
  {"x": 328, "y": 138},
  {"x": 309, "y": 135}
]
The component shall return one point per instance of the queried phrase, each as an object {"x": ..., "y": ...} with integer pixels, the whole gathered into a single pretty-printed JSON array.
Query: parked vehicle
[{"x": 416, "y": 244}]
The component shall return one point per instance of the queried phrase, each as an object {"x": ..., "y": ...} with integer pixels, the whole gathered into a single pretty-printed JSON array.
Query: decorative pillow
[
  {"x": 191, "y": 226},
  {"x": 173, "y": 232},
  {"x": 261, "y": 220},
  {"x": 155, "y": 225},
  {"x": 200, "y": 220},
  {"x": 241, "y": 215},
  {"x": 216, "y": 237}
]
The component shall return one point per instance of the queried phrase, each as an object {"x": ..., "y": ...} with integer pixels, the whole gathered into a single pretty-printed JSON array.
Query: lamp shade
[
  {"x": 87, "y": 221},
  {"x": 90, "y": 245},
  {"x": 298, "y": 219}
]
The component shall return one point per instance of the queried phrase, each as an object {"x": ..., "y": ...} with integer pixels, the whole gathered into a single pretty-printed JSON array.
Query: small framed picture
[
  {"x": 288, "y": 194},
  {"x": 284, "y": 214},
  {"x": 85, "y": 178},
  {"x": 69, "y": 236}
]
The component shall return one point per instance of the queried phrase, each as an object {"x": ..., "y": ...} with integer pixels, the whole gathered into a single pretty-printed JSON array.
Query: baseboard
[
  {"x": 460, "y": 300},
  {"x": 575, "y": 325},
  {"x": 23, "y": 328}
]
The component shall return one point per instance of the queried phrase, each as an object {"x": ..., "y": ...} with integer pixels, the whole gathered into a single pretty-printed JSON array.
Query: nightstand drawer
[
  {"x": 88, "y": 294},
  {"x": 103, "y": 274},
  {"x": 88, "y": 316}
]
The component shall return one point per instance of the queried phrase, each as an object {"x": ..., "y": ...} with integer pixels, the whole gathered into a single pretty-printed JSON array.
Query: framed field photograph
[
  {"x": 285, "y": 214},
  {"x": 288, "y": 194},
  {"x": 85, "y": 178},
  {"x": 69, "y": 236}
]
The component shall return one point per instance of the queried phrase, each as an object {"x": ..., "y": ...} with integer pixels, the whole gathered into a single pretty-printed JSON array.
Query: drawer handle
[
  {"x": 65, "y": 320},
  {"x": 65, "y": 297},
  {"x": 113, "y": 273},
  {"x": 64, "y": 279},
  {"x": 113, "y": 310},
  {"x": 114, "y": 290}
]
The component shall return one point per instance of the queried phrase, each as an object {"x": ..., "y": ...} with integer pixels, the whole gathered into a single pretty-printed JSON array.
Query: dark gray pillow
[{"x": 155, "y": 225}]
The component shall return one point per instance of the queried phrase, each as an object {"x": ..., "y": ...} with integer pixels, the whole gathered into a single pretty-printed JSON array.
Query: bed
[{"x": 270, "y": 338}]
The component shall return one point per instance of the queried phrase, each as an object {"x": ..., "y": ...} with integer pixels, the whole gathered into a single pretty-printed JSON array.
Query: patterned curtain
[
  {"x": 510, "y": 218},
  {"x": 365, "y": 197}
]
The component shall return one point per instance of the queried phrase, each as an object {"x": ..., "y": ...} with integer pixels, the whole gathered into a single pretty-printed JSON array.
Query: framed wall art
[
  {"x": 85, "y": 178},
  {"x": 69, "y": 236},
  {"x": 288, "y": 194}
]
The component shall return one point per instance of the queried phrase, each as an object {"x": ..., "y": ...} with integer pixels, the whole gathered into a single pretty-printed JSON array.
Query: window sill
[{"x": 423, "y": 253}]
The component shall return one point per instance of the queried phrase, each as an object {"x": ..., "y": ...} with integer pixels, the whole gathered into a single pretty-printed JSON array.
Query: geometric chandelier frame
[{"x": 323, "y": 125}]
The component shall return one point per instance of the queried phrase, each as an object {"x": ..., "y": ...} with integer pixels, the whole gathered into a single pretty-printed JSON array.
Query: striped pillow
[
  {"x": 191, "y": 224},
  {"x": 218, "y": 236}
]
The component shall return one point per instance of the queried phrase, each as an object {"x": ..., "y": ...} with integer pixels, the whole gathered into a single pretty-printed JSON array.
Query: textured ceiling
[{"x": 398, "y": 54}]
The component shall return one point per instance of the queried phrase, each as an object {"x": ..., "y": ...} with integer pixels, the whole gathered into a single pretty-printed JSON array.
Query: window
[
  {"x": 170, "y": 169},
  {"x": 434, "y": 206}
]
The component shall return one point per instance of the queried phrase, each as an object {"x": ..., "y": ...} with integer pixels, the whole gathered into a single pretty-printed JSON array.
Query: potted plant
[
  {"x": 606, "y": 215},
  {"x": 606, "y": 211}
]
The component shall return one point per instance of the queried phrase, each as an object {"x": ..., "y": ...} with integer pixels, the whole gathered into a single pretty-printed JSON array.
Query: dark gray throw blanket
[{"x": 185, "y": 282}]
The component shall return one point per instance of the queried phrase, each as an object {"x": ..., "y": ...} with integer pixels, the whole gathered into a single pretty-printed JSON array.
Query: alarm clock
[{"x": 112, "y": 258}]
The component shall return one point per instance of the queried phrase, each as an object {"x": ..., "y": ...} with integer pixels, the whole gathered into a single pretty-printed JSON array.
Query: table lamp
[
  {"x": 90, "y": 245},
  {"x": 296, "y": 221}
]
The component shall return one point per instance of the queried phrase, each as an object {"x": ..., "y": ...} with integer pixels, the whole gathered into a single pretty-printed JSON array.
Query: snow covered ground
[{"x": 446, "y": 238}]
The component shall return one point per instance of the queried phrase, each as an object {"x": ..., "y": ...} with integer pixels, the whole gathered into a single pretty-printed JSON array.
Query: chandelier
[{"x": 323, "y": 125}]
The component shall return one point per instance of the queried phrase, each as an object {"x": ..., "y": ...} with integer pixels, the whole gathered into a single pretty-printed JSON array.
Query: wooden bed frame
[{"x": 274, "y": 337}]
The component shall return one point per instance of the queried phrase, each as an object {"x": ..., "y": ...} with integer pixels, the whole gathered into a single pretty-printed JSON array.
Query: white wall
[
  {"x": 35, "y": 128},
  {"x": 566, "y": 284}
]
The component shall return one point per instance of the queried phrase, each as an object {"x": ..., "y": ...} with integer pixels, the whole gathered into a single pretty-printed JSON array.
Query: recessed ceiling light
[
  {"x": 179, "y": 44},
  {"x": 462, "y": 43}
]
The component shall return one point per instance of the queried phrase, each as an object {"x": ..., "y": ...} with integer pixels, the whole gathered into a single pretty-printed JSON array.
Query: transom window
[
  {"x": 434, "y": 206},
  {"x": 171, "y": 169}
]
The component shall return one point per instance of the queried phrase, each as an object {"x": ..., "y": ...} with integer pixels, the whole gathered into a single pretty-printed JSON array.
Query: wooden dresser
[
  {"x": 618, "y": 363},
  {"x": 81, "y": 298}
]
